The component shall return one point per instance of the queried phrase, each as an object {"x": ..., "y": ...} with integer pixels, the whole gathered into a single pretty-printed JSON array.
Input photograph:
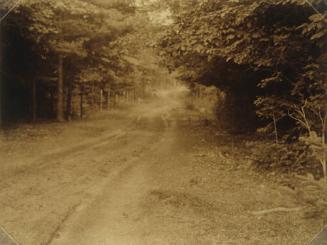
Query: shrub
[{"x": 287, "y": 158}]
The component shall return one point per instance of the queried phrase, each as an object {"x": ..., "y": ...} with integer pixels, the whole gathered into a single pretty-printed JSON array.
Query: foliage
[
  {"x": 271, "y": 52},
  {"x": 286, "y": 158},
  {"x": 75, "y": 29},
  {"x": 307, "y": 117},
  {"x": 280, "y": 46}
]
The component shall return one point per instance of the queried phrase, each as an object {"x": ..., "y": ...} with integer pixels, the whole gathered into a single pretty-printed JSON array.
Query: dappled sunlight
[{"x": 162, "y": 103}]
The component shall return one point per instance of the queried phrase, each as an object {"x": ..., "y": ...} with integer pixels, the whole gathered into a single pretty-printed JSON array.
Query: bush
[{"x": 287, "y": 158}]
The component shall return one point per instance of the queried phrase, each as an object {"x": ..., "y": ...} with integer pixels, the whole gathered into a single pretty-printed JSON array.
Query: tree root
[{"x": 279, "y": 209}]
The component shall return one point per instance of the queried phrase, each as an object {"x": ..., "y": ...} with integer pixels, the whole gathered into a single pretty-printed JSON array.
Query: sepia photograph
[{"x": 163, "y": 122}]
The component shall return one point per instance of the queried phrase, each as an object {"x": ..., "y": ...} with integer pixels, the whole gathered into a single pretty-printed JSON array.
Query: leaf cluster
[{"x": 282, "y": 44}]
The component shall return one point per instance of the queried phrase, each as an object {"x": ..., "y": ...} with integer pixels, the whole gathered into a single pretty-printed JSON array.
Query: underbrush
[
  {"x": 289, "y": 159},
  {"x": 296, "y": 158}
]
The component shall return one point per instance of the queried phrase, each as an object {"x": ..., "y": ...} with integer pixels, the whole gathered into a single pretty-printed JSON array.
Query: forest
[
  {"x": 62, "y": 59},
  {"x": 267, "y": 57}
]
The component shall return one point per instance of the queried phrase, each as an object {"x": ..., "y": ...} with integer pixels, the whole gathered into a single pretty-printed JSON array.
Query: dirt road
[{"x": 142, "y": 177}]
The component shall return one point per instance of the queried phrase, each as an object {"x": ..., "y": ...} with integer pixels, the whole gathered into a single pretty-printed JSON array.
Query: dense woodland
[
  {"x": 268, "y": 57},
  {"x": 62, "y": 59}
]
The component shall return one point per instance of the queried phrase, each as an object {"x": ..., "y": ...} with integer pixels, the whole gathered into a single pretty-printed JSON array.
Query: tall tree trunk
[
  {"x": 116, "y": 99},
  {"x": 1, "y": 97},
  {"x": 81, "y": 102},
  {"x": 118, "y": 95},
  {"x": 69, "y": 100},
  {"x": 101, "y": 98},
  {"x": 108, "y": 99},
  {"x": 1, "y": 82},
  {"x": 127, "y": 96},
  {"x": 60, "y": 90},
  {"x": 52, "y": 103},
  {"x": 275, "y": 129},
  {"x": 134, "y": 95},
  {"x": 323, "y": 146},
  {"x": 93, "y": 96},
  {"x": 34, "y": 102}
]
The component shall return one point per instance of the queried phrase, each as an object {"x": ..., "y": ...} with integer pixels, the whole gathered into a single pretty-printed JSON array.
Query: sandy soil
[{"x": 149, "y": 175}]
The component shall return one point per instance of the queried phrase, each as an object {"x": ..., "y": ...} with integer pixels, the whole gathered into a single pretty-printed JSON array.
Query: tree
[
  {"x": 61, "y": 33},
  {"x": 270, "y": 51}
]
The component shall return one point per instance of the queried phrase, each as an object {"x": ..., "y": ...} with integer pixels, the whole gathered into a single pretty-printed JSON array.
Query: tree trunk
[
  {"x": 1, "y": 82},
  {"x": 108, "y": 99},
  {"x": 34, "y": 103},
  {"x": 116, "y": 99},
  {"x": 127, "y": 97},
  {"x": 60, "y": 90},
  {"x": 323, "y": 146},
  {"x": 1, "y": 98},
  {"x": 81, "y": 102},
  {"x": 275, "y": 129},
  {"x": 93, "y": 96},
  {"x": 101, "y": 98},
  {"x": 52, "y": 103},
  {"x": 69, "y": 100},
  {"x": 134, "y": 95}
]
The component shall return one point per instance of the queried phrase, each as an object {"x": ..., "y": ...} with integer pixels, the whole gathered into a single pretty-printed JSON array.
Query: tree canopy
[
  {"x": 80, "y": 42},
  {"x": 273, "y": 50}
]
